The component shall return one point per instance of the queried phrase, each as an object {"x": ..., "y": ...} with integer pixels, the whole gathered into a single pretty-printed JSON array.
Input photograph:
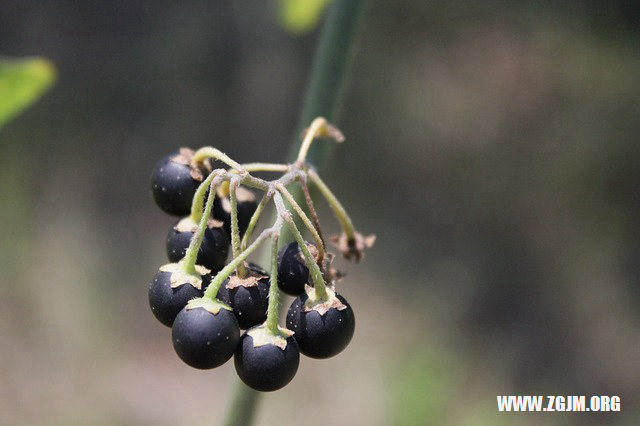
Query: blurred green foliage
[
  {"x": 22, "y": 82},
  {"x": 300, "y": 16}
]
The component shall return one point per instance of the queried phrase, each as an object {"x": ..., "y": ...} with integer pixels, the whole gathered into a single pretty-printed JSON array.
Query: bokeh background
[{"x": 492, "y": 146}]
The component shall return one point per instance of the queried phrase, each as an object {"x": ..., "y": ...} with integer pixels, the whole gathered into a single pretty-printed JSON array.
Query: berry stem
[
  {"x": 210, "y": 152},
  {"x": 336, "y": 206},
  {"x": 316, "y": 274},
  {"x": 316, "y": 237},
  {"x": 273, "y": 310},
  {"x": 321, "y": 98},
  {"x": 212, "y": 290},
  {"x": 316, "y": 126},
  {"x": 265, "y": 167},
  {"x": 189, "y": 260},
  {"x": 235, "y": 231},
  {"x": 254, "y": 218},
  {"x": 307, "y": 198},
  {"x": 198, "y": 198}
]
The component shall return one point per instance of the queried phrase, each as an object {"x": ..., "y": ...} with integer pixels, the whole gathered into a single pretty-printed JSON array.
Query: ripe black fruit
[
  {"x": 293, "y": 272},
  {"x": 213, "y": 251},
  {"x": 248, "y": 297},
  {"x": 266, "y": 368},
  {"x": 165, "y": 301},
  {"x": 321, "y": 336},
  {"x": 203, "y": 339},
  {"x": 172, "y": 185}
]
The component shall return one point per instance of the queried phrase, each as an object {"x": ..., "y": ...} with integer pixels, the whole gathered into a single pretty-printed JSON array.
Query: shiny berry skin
[
  {"x": 293, "y": 273},
  {"x": 165, "y": 301},
  {"x": 172, "y": 185},
  {"x": 321, "y": 336},
  {"x": 249, "y": 303},
  {"x": 266, "y": 368},
  {"x": 205, "y": 340},
  {"x": 213, "y": 250}
]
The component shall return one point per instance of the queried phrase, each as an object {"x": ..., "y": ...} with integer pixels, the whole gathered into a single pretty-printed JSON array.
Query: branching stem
[{"x": 305, "y": 219}]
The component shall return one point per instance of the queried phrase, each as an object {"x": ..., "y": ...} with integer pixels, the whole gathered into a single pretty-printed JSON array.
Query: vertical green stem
[
  {"x": 235, "y": 231},
  {"x": 323, "y": 91},
  {"x": 273, "y": 310},
  {"x": 189, "y": 260},
  {"x": 198, "y": 198},
  {"x": 254, "y": 219}
]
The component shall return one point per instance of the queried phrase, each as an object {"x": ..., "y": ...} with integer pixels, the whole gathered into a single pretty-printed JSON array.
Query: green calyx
[
  {"x": 180, "y": 277},
  {"x": 263, "y": 335},
  {"x": 211, "y": 305}
]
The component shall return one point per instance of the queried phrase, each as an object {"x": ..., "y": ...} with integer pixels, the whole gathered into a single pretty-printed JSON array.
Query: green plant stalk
[
  {"x": 302, "y": 215},
  {"x": 198, "y": 198},
  {"x": 224, "y": 273},
  {"x": 321, "y": 98},
  {"x": 254, "y": 219},
  {"x": 235, "y": 231},
  {"x": 189, "y": 260},
  {"x": 336, "y": 206},
  {"x": 273, "y": 310}
]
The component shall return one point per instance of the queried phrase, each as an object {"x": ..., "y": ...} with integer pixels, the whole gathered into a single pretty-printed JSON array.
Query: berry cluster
[{"x": 207, "y": 301}]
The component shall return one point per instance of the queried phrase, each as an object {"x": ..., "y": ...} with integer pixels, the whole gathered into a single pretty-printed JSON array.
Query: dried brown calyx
[
  {"x": 251, "y": 280},
  {"x": 353, "y": 248}
]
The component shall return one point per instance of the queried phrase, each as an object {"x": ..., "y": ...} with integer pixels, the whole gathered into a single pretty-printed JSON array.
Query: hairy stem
[
  {"x": 305, "y": 220},
  {"x": 273, "y": 310},
  {"x": 211, "y": 152},
  {"x": 314, "y": 270},
  {"x": 198, "y": 198},
  {"x": 310, "y": 205},
  {"x": 217, "y": 281},
  {"x": 189, "y": 260},
  {"x": 265, "y": 167},
  {"x": 235, "y": 231},
  {"x": 336, "y": 206},
  {"x": 321, "y": 97},
  {"x": 254, "y": 218}
]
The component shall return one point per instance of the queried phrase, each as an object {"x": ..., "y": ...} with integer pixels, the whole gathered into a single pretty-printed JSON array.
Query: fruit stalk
[
  {"x": 305, "y": 220},
  {"x": 273, "y": 310},
  {"x": 189, "y": 260},
  {"x": 314, "y": 270},
  {"x": 321, "y": 97},
  {"x": 336, "y": 206}
]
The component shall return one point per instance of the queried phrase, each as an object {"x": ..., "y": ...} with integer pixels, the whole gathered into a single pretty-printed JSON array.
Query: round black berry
[
  {"x": 203, "y": 339},
  {"x": 172, "y": 185},
  {"x": 293, "y": 272},
  {"x": 166, "y": 301},
  {"x": 247, "y": 296},
  {"x": 268, "y": 367},
  {"x": 213, "y": 251},
  {"x": 321, "y": 335}
]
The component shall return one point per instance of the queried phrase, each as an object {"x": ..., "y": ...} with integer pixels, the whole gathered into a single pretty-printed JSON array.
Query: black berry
[
  {"x": 321, "y": 335},
  {"x": 293, "y": 272},
  {"x": 203, "y": 339},
  {"x": 166, "y": 301},
  {"x": 248, "y": 296},
  {"x": 268, "y": 367},
  {"x": 213, "y": 251},
  {"x": 172, "y": 184}
]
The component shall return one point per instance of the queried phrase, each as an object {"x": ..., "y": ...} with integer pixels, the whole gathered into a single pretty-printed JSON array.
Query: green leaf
[
  {"x": 22, "y": 82},
  {"x": 301, "y": 16}
]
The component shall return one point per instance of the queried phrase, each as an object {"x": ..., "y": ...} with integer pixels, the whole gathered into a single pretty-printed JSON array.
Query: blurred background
[{"x": 493, "y": 147}]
